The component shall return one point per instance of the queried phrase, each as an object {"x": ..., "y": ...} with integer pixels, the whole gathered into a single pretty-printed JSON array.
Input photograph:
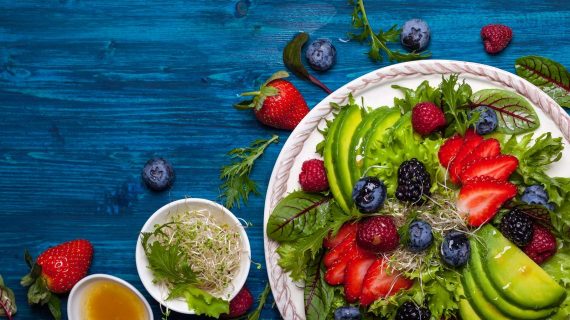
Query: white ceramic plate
[
  {"x": 376, "y": 89},
  {"x": 162, "y": 215}
]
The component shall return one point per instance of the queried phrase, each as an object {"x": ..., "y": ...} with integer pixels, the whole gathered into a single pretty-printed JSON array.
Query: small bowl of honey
[{"x": 103, "y": 297}]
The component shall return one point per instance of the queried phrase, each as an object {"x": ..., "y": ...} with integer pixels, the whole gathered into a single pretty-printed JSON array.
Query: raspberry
[
  {"x": 542, "y": 246},
  {"x": 378, "y": 234},
  {"x": 240, "y": 304},
  {"x": 517, "y": 227},
  {"x": 313, "y": 177},
  {"x": 413, "y": 181},
  {"x": 427, "y": 117},
  {"x": 496, "y": 37}
]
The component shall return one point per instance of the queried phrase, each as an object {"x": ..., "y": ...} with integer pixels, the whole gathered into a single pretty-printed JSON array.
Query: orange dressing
[{"x": 107, "y": 300}]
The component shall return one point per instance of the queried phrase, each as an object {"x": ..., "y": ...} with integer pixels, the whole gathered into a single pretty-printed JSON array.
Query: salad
[{"x": 438, "y": 207}]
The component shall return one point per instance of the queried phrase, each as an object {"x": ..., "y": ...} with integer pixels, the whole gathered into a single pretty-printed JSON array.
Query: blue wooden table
[{"x": 89, "y": 90}]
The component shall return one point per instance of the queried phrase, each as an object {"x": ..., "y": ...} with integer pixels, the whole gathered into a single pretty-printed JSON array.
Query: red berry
[
  {"x": 381, "y": 282},
  {"x": 313, "y": 177},
  {"x": 496, "y": 37},
  {"x": 542, "y": 246},
  {"x": 240, "y": 304},
  {"x": 448, "y": 151},
  {"x": 427, "y": 117},
  {"x": 471, "y": 141},
  {"x": 378, "y": 234},
  {"x": 499, "y": 167},
  {"x": 347, "y": 229}
]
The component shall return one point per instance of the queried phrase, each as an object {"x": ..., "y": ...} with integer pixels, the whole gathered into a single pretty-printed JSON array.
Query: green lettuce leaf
[
  {"x": 558, "y": 267},
  {"x": 200, "y": 301},
  {"x": 423, "y": 93},
  {"x": 550, "y": 76}
]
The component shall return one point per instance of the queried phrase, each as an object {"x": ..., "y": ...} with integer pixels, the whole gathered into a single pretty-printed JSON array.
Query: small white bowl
[
  {"x": 162, "y": 215},
  {"x": 76, "y": 302}
]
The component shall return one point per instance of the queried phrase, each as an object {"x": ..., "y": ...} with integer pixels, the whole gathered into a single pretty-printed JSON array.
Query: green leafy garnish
[
  {"x": 237, "y": 185},
  {"x": 378, "y": 41},
  {"x": 7, "y": 301},
  {"x": 292, "y": 60},
  {"x": 201, "y": 301},
  {"x": 423, "y": 93},
  {"x": 318, "y": 294},
  {"x": 255, "y": 314},
  {"x": 558, "y": 267},
  {"x": 550, "y": 76}
]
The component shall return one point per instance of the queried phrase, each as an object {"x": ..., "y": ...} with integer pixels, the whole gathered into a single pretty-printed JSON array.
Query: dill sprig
[
  {"x": 237, "y": 185},
  {"x": 378, "y": 41}
]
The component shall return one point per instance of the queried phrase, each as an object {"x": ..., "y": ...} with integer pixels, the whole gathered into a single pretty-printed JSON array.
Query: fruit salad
[{"x": 437, "y": 207}]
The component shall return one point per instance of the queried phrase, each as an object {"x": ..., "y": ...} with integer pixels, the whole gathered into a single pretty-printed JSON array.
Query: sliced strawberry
[
  {"x": 381, "y": 282},
  {"x": 354, "y": 276},
  {"x": 499, "y": 167},
  {"x": 481, "y": 197},
  {"x": 471, "y": 141},
  {"x": 346, "y": 229},
  {"x": 335, "y": 273},
  {"x": 449, "y": 150},
  {"x": 487, "y": 148},
  {"x": 338, "y": 251}
]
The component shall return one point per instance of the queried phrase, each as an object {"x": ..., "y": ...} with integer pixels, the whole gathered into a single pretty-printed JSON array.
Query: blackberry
[
  {"x": 411, "y": 311},
  {"x": 517, "y": 227},
  {"x": 413, "y": 182}
]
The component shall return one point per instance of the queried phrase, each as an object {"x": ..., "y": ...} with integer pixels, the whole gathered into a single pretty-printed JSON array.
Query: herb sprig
[
  {"x": 237, "y": 185},
  {"x": 378, "y": 41}
]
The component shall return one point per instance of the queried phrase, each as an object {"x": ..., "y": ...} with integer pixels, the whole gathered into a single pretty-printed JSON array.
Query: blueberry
[
  {"x": 347, "y": 313},
  {"x": 536, "y": 194},
  {"x": 455, "y": 249},
  {"x": 321, "y": 54},
  {"x": 158, "y": 174},
  {"x": 415, "y": 35},
  {"x": 421, "y": 236},
  {"x": 487, "y": 121},
  {"x": 369, "y": 194}
]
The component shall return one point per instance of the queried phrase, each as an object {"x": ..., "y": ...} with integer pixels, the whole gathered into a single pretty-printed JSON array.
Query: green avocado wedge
[
  {"x": 493, "y": 296},
  {"x": 329, "y": 159},
  {"x": 359, "y": 139},
  {"x": 480, "y": 305},
  {"x": 376, "y": 135},
  {"x": 515, "y": 275},
  {"x": 466, "y": 311}
]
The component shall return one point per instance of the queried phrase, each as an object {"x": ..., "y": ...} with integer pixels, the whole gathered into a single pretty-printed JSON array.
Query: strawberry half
[
  {"x": 354, "y": 277},
  {"x": 487, "y": 148},
  {"x": 346, "y": 229},
  {"x": 499, "y": 167},
  {"x": 57, "y": 270},
  {"x": 335, "y": 273},
  {"x": 449, "y": 150},
  {"x": 381, "y": 282},
  {"x": 471, "y": 141},
  {"x": 481, "y": 197},
  {"x": 338, "y": 251}
]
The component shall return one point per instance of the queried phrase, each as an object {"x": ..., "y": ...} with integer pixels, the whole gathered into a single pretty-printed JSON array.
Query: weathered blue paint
[{"x": 89, "y": 90}]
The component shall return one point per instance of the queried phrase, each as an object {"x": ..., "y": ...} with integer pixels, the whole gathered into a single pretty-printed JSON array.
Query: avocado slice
[
  {"x": 493, "y": 296},
  {"x": 376, "y": 135},
  {"x": 344, "y": 134},
  {"x": 480, "y": 304},
  {"x": 466, "y": 311},
  {"x": 359, "y": 138},
  {"x": 515, "y": 275},
  {"x": 329, "y": 159}
]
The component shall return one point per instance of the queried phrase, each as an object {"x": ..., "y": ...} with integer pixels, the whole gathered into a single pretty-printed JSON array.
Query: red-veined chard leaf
[
  {"x": 550, "y": 76},
  {"x": 7, "y": 301},
  {"x": 318, "y": 294},
  {"x": 515, "y": 114},
  {"x": 298, "y": 215}
]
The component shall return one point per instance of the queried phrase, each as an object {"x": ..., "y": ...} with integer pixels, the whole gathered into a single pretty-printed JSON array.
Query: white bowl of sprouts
[{"x": 193, "y": 256}]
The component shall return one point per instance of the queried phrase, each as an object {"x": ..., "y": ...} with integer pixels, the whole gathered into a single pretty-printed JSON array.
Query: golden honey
[{"x": 108, "y": 300}]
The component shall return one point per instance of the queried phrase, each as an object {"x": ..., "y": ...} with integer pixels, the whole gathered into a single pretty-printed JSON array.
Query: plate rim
[{"x": 280, "y": 281}]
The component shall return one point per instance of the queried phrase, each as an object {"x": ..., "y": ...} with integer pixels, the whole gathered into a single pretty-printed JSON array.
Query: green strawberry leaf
[
  {"x": 294, "y": 214},
  {"x": 515, "y": 114},
  {"x": 550, "y": 76},
  {"x": 7, "y": 301}
]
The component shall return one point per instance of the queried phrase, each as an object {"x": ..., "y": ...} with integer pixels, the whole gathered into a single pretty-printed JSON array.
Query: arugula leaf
[
  {"x": 292, "y": 60},
  {"x": 201, "y": 301},
  {"x": 7, "y": 301},
  {"x": 294, "y": 213},
  {"x": 514, "y": 113},
  {"x": 549, "y": 75},
  {"x": 318, "y": 294},
  {"x": 378, "y": 41},
  {"x": 237, "y": 185}
]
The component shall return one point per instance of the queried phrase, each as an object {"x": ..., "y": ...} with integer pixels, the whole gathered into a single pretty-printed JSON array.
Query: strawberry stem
[{"x": 251, "y": 93}]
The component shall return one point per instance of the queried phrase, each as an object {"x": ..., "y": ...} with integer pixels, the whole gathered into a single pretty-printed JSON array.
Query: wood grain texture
[{"x": 89, "y": 90}]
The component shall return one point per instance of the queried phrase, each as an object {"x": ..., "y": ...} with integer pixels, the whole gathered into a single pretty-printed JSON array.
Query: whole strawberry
[
  {"x": 427, "y": 117},
  {"x": 57, "y": 270},
  {"x": 313, "y": 177},
  {"x": 378, "y": 234},
  {"x": 496, "y": 37},
  {"x": 277, "y": 104},
  {"x": 542, "y": 246},
  {"x": 240, "y": 304}
]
